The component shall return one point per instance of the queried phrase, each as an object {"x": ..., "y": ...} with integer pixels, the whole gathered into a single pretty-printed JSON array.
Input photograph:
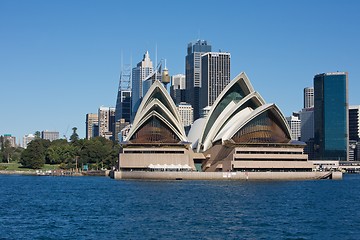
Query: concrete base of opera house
[{"x": 144, "y": 175}]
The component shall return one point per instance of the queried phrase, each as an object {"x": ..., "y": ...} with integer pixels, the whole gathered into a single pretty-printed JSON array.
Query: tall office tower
[
  {"x": 91, "y": 120},
  {"x": 123, "y": 101},
  {"x": 309, "y": 97},
  {"x": 193, "y": 73},
  {"x": 354, "y": 123},
  {"x": 295, "y": 126},
  {"x": 50, "y": 135},
  {"x": 307, "y": 131},
  {"x": 307, "y": 124},
  {"x": 142, "y": 70},
  {"x": 178, "y": 88},
  {"x": 354, "y": 133},
  {"x": 186, "y": 113},
  {"x": 331, "y": 125},
  {"x": 122, "y": 111},
  {"x": 95, "y": 132},
  {"x": 215, "y": 76},
  {"x": 106, "y": 121},
  {"x": 27, "y": 139}
]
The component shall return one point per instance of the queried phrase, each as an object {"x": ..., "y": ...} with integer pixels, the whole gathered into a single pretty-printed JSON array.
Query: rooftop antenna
[{"x": 156, "y": 61}]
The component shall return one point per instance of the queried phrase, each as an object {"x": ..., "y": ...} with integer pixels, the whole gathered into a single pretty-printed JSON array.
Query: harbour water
[{"x": 34, "y": 207}]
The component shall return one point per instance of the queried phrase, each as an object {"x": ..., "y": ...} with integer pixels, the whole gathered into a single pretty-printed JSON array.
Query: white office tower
[
  {"x": 309, "y": 97},
  {"x": 178, "y": 88},
  {"x": 186, "y": 113},
  {"x": 142, "y": 70},
  {"x": 295, "y": 126},
  {"x": 27, "y": 139}
]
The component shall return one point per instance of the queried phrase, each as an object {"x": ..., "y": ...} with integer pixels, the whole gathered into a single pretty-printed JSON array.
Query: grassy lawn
[{"x": 14, "y": 166}]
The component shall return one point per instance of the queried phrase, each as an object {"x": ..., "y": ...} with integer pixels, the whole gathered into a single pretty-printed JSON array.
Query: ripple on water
[{"x": 99, "y": 208}]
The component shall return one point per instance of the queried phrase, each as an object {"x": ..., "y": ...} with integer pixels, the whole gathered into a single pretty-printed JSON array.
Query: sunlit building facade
[
  {"x": 92, "y": 119},
  {"x": 142, "y": 70},
  {"x": 215, "y": 76}
]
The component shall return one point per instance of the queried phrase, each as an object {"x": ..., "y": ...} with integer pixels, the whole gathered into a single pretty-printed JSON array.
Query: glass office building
[
  {"x": 193, "y": 73},
  {"x": 331, "y": 116}
]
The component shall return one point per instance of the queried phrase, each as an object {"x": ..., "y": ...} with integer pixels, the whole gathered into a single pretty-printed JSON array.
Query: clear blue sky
[{"x": 61, "y": 59}]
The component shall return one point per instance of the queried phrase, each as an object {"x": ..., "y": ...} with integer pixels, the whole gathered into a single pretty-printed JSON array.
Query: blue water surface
[{"x": 34, "y": 207}]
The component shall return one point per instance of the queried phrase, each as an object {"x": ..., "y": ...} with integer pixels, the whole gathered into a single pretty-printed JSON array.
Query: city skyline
[{"x": 61, "y": 60}]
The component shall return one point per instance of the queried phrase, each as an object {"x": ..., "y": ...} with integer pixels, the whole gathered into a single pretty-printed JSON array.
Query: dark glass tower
[
  {"x": 331, "y": 116},
  {"x": 193, "y": 73},
  {"x": 354, "y": 123}
]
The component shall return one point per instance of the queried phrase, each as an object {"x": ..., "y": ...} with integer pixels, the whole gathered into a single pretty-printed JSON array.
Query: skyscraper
[
  {"x": 307, "y": 124},
  {"x": 295, "y": 126},
  {"x": 91, "y": 119},
  {"x": 354, "y": 123},
  {"x": 139, "y": 74},
  {"x": 106, "y": 121},
  {"x": 308, "y": 97},
  {"x": 215, "y": 76},
  {"x": 193, "y": 73},
  {"x": 178, "y": 88},
  {"x": 354, "y": 133},
  {"x": 331, "y": 116},
  {"x": 122, "y": 111}
]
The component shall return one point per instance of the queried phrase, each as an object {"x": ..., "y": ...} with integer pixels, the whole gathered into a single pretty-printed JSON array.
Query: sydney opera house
[{"x": 242, "y": 137}]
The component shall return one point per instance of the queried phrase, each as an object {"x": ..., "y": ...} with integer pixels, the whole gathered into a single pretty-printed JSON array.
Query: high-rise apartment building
[
  {"x": 193, "y": 73},
  {"x": 295, "y": 126},
  {"x": 27, "y": 139},
  {"x": 178, "y": 88},
  {"x": 142, "y": 70},
  {"x": 92, "y": 119},
  {"x": 215, "y": 76},
  {"x": 106, "y": 122},
  {"x": 309, "y": 97},
  {"x": 50, "y": 135},
  {"x": 186, "y": 113},
  {"x": 331, "y": 127}
]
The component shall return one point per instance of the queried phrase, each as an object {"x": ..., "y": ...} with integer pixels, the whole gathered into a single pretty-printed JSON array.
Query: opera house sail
[
  {"x": 157, "y": 138},
  {"x": 242, "y": 137}
]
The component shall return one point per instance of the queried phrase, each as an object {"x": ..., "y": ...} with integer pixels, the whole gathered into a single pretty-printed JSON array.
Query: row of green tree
[
  {"x": 97, "y": 152},
  {"x": 8, "y": 153}
]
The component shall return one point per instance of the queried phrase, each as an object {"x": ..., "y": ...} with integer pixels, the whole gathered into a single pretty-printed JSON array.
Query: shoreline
[
  {"x": 54, "y": 173},
  {"x": 17, "y": 172},
  {"x": 145, "y": 175}
]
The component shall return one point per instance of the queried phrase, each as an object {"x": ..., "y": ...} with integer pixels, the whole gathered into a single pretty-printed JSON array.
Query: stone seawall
[
  {"x": 15, "y": 172},
  {"x": 225, "y": 175}
]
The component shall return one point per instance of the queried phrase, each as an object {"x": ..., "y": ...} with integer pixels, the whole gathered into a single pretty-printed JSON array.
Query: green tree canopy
[
  {"x": 34, "y": 155},
  {"x": 74, "y": 136}
]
